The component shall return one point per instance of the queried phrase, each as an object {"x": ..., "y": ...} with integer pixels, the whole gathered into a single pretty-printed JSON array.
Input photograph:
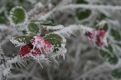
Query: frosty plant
[
  {"x": 33, "y": 43},
  {"x": 43, "y": 41}
]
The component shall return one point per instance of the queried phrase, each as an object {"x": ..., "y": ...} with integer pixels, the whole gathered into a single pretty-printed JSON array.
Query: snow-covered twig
[
  {"x": 48, "y": 14},
  {"x": 90, "y": 6},
  {"x": 71, "y": 29}
]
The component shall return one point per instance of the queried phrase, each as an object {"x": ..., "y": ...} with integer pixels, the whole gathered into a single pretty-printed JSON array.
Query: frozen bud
[{"x": 98, "y": 37}]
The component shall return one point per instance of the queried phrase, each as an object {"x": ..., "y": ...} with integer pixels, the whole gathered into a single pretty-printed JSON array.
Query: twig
[{"x": 90, "y": 6}]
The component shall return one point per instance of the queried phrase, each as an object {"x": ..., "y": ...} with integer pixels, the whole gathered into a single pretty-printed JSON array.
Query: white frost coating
[
  {"x": 44, "y": 17},
  {"x": 14, "y": 60},
  {"x": 55, "y": 27},
  {"x": 85, "y": 6},
  {"x": 15, "y": 42},
  {"x": 6, "y": 71},
  {"x": 38, "y": 5},
  {"x": 3, "y": 27},
  {"x": 71, "y": 29},
  {"x": 68, "y": 30}
]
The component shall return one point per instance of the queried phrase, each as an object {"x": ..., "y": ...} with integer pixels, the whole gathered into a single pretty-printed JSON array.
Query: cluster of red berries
[{"x": 37, "y": 47}]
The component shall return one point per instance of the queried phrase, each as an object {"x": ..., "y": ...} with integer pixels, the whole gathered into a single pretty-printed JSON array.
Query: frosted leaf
[{"x": 18, "y": 16}]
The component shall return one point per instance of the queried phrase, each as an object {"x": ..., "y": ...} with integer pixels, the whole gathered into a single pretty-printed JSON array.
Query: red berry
[
  {"x": 24, "y": 51},
  {"x": 89, "y": 34},
  {"x": 48, "y": 44},
  {"x": 102, "y": 34},
  {"x": 99, "y": 37},
  {"x": 36, "y": 52}
]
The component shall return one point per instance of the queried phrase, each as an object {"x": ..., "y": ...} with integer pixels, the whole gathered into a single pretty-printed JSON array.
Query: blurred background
[{"x": 83, "y": 61}]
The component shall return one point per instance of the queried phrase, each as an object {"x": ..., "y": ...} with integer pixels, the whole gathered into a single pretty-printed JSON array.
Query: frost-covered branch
[
  {"x": 90, "y": 6},
  {"x": 84, "y": 6},
  {"x": 71, "y": 29}
]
